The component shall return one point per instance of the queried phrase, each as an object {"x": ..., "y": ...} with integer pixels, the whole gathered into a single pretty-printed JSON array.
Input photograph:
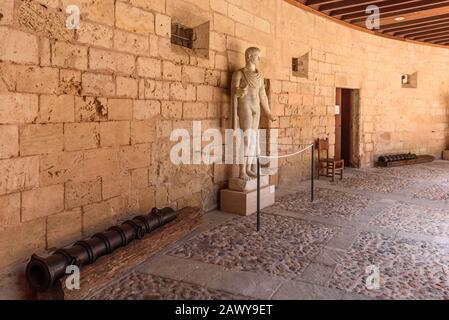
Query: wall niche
[
  {"x": 196, "y": 38},
  {"x": 300, "y": 66},
  {"x": 409, "y": 80}
]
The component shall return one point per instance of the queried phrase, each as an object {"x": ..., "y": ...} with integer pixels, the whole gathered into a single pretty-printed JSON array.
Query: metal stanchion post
[
  {"x": 258, "y": 194},
  {"x": 312, "y": 170}
]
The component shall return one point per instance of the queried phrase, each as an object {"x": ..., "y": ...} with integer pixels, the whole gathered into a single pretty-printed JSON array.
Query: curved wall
[
  {"x": 393, "y": 119},
  {"x": 85, "y": 117}
]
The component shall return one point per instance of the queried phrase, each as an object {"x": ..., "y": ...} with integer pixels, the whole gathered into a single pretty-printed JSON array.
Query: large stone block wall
[{"x": 86, "y": 115}]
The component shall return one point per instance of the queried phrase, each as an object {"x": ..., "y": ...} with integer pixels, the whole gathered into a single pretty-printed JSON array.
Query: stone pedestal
[
  {"x": 237, "y": 184},
  {"x": 241, "y": 197},
  {"x": 446, "y": 155}
]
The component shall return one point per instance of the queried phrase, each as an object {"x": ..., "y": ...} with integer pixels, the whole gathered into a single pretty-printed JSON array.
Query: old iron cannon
[{"x": 42, "y": 273}]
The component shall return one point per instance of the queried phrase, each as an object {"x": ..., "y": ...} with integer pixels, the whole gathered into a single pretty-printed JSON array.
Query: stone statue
[{"x": 247, "y": 96}]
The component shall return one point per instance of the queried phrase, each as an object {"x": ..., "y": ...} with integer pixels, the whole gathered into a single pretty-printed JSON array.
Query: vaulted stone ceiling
[{"x": 418, "y": 20}]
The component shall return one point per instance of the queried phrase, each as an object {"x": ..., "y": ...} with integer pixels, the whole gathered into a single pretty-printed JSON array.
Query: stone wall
[{"x": 86, "y": 115}]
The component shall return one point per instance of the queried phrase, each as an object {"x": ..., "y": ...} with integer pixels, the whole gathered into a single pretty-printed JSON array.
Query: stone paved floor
[{"x": 391, "y": 221}]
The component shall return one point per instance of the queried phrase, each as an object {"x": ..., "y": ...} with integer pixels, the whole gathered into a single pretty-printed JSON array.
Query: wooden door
[
  {"x": 338, "y": 120},
  {"x": 347, "y": 102}
]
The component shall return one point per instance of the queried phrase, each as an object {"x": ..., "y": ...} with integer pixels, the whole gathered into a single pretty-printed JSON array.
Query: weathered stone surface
[
  {"x": 127, "y": 87},
  {"x": 149, "y": 68},
  {"x": 194, "y": 111},
  {"x": 69, "y": 82},
  {"x": 143, "y": 132},
  {"x": 67, "y": 55},
  {"x": 153, "y": 89},
  {"x": 131, "y": 43},
  {"x": 114, "y": 133},
  {"x": 120, "y": 109},
  {"x": 9, "y": 145},
  {"x": 133, "y": 19},
  {"x": 100, "y": 162},
  {"x": 10, "y": 210},
  {"x": 97, "y": 217},
  {"x": 18, "y": 108},
  {"x": 42, "y": 202},
  {"x": 56, "y": 109},
  {"x": 98, "y": 85},
  {"x": 47, "y": 21},
  {"x": 171, "y": 71},
  {"x": 95, "y": 34},
  {"x": 171, "y": 109},
  {"x": 21, "y": 241},
  {"x": 60, "y": 167},
  {"x": 37, "y": 80},
  {"x": 81, "y": 136},
  {"x": 18, "y": 174},
  {"x": 146, "y": 109},
  {"x": 6, "y": 12},
  {"x": 89, "y": 109},
  {"x": 109, "y": 61},
  {"x": 41, "y": 139},
  {"x": 114, "y": 185},
  {"x": 184, "y": 93},
  {"x": 82, "y": 193},
  {"x": 136, "y": 156},
  {"x": 63, "y": 228},
  {"x": 18, "y": 46},
  {"x": 155, "y": 5}
]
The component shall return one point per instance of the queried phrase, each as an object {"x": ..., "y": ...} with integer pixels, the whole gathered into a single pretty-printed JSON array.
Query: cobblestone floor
[
  {"x": 283, "y": 247},
  {"x": 141, "y": 286},
  {"x": 328, "y": 203},
  {"x": 420, "y": 171},
  {"x": 408, "y": 269},
  {"x": 433, "y": 192},
  {"x": 415, "y": 219},
  {"x": 393, "y": 220},
  {"x": 368, "y": 181}
]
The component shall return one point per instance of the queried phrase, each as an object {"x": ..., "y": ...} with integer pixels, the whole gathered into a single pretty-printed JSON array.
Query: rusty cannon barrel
[
  {"x": 42, "y": 273},
  {"x": 397, "y": 157}
]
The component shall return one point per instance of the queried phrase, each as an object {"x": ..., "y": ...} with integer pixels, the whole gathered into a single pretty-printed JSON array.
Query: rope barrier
[
  {"x": 312, "y": 168},
  {"x": 287, "y": 155}
]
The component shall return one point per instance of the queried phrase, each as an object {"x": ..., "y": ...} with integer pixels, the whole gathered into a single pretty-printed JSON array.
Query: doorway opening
[{"x": 347, "y": 119}]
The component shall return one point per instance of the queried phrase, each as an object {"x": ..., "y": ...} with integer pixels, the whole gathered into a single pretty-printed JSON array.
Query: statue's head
[{"x": 252, "y": 55}]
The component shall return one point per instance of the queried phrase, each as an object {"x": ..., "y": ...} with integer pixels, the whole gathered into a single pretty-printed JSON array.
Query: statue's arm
[
  {"x": 264, "y": 101},
  {"x": 235, "y": 86}
]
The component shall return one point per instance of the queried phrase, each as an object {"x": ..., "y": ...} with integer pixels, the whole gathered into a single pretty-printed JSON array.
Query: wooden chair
[{"x": 328, "y": 167}]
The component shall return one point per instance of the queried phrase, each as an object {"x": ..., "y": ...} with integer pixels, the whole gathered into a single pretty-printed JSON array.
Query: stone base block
[
  {"x": 446, "y": 155},
  {"x": 237, "y": 184},
  {"x": 245, "y": 203}
]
